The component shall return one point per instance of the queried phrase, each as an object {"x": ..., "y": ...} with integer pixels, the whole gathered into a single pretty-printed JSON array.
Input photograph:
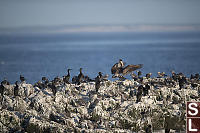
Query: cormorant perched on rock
[
  {"x": 139, "y": 73},
  {"x": 148, "y": 129},
  {"x": 176, "y": 92},
  {"x": 53, "y": 88},
  {"x": 98, "y": 80},
  {"x": 191, "y": 76},
  {"x": 2, "y": 88},
  {"x": 194, "y": 85},
  {"x": 74, "y": 79},
  {"x": 45, "y": 82},
  {"x": 167, "y": 130},
  {"x": 181, "y": 81},
  {"x": 131, "y": 94},
  {"x": 87, "y": 79},
  {"x": 148, "y": 75},
  {"x": 80, "y": 77},
  {"x": 134, "y": 76},
  {"x": 161, "y": 74},
  {"x": 196, "y": 76},
  {"x": 139, "y": 93},
  {"x": 16, "y": 89},
  {"x": 5, "y": 82},
  {"x": 146, "y": 89},
  {"x": 105, "y": 77},
  {"x": 22, "y": 79},
  {"x": 174, "y": 76},
  {"x": 67, "y": 78},
  {"x": 57, "y": 80},
  {"x": 38, "y": 84}
]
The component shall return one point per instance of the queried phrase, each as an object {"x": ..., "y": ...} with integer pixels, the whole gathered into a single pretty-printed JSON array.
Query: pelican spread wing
[
  {"x": 115, "y": 69},
  {"x": 130, "y": 68}
]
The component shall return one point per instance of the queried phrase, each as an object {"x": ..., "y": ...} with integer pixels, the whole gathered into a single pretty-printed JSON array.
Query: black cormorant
[
  {"x": 139, "y": 93},
  {"x": 80, "y": 77},
  {"x": 67, "y": 78},
  {"x": 98, "y": 80},
  {"x": 2, "y": 88},
  {"x": 16, "y": 89},
  {"x": 22, "y": 79}
]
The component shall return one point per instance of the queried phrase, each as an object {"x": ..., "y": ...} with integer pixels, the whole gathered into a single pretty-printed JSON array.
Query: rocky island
[{"x": 145, "y": 104}]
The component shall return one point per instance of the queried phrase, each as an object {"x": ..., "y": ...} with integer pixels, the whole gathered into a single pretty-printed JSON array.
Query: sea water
[{"x": 50, "y": 55}]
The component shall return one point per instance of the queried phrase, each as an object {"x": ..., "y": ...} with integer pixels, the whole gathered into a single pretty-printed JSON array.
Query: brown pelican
[
  {"x": 16, "y": 89},
  {"x": 80, "y": 77},
  {"x": 130, "y": 68},
  {"x": 117, "y": 68}
]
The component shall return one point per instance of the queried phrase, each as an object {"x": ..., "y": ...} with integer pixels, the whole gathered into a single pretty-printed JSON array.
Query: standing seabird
[
  {"x": 2, "y": 88},
  {"x": 87, "y": 79},
  {"x": 117, "y": 68},
  {"x": 74, "y": 80},
  {"x": 196, "y": 76},
  {"x": 148, "y": 75},
  {"x": 146, "y": 89},
  {"x": 139, "y": 93},
  {"x": 16, "y": 89},
  {"x": 22, "y": 79},
  {"x": 134, "y": 76},
  {"x": 161, "y": 74},
  {"x": 182, "y": 81},
  {"x": 67, "y": 78},
  {"x": 80, "y": 77},
  {"x": 98, "y": 80},
  {"x": 148, "y": 129},
  {"x": 139, "y": 73},
  {"x": 54, "y": 89},
  {"x": 5, "y": 82},
  {"x": 45, "y": 82}
]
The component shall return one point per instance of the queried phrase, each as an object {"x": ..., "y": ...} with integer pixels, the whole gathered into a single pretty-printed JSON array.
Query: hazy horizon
[{"x": 22, "y": 13}]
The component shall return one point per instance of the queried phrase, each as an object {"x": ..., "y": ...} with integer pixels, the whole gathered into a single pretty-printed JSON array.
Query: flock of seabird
[{"x": 119, "y": 70}]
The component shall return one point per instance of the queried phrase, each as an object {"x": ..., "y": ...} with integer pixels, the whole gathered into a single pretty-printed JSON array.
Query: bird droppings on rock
[{"x": 155, "y": 104}]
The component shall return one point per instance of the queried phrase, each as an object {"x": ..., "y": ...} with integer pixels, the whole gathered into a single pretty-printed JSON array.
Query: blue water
[{"x": 37, "y": 55}]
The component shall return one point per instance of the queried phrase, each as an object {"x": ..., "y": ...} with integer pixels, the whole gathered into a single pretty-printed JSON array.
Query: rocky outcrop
[{"x": 81, "y": 109}]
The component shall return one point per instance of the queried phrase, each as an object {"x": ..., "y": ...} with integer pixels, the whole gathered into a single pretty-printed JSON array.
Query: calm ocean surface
[{"x": 50, "y": 55}]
